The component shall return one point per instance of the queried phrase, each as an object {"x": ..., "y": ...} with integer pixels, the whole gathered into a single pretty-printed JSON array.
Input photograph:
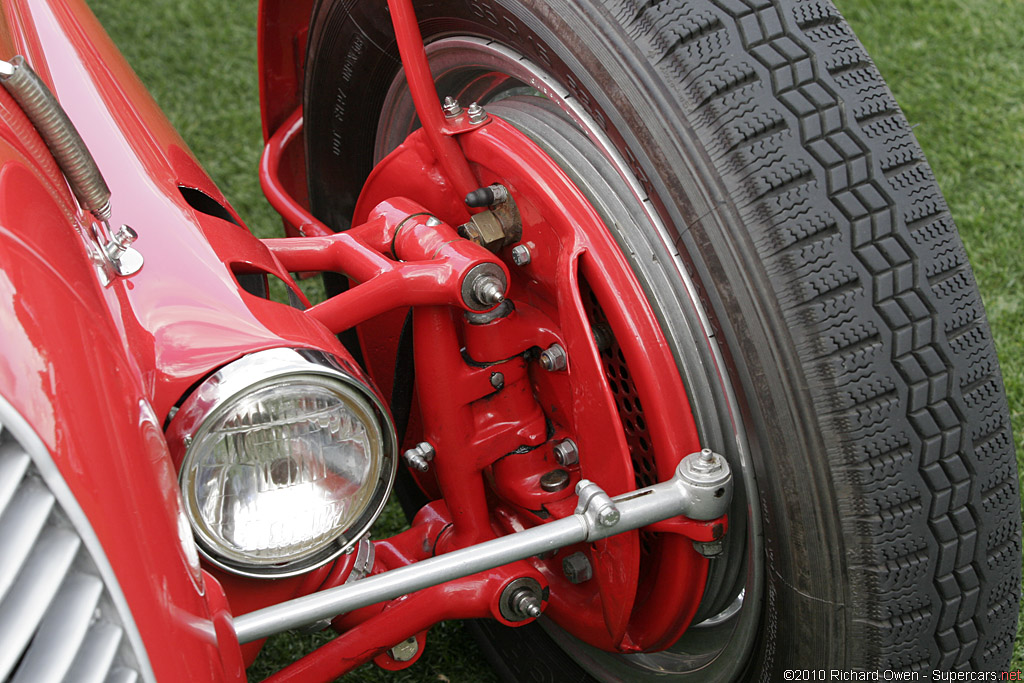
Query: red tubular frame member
[
  {"x": 424, "y": 97},
  {"x": 370, "y": 632},
  {"x": 429, "y": 264}
]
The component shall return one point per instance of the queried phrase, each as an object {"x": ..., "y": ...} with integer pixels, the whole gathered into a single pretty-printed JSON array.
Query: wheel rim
[{"x": 474, "y": 69}]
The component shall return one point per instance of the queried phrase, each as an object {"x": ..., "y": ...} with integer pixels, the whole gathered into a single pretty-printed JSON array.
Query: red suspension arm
[{"x": 424, "y": 97}]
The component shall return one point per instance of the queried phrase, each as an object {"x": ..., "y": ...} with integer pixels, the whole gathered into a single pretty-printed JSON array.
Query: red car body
[{"x": 94, "y": 370}]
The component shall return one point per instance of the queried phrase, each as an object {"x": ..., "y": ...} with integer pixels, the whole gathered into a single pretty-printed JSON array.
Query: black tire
[{"x": 832, "y": 275}]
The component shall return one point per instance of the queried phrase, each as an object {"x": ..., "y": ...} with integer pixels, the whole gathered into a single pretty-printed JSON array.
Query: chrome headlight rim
[{"x": 246, "y": 376}]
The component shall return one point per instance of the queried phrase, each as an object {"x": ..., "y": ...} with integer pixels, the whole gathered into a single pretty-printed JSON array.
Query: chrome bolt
[
  {"x": 554, "y": 358},
  {"x": 497, "y": 380},
  {"x": 526, "y": 603},
  {"x": 433, "y": 221},
  {"x": 419, "y": 456},
  {"x": 577, "y": 568},
  {"x": 521, "y": 255},
  {"x": 476, "y": 113},
  {"x": 405, "y": 650},
  {"x": 555, "y": 480},
  {"x": 608, "y": 517},
  {"x": 566, "y": 452},
  {"x": 451, "y": 108}
]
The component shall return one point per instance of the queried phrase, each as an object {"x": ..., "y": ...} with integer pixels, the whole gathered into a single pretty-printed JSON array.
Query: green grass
[{"x": 956, "y": 67}]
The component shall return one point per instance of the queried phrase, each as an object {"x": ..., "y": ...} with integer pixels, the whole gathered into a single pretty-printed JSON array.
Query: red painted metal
[
  {"x": 486, "y": 436},
  {"x": 568, "y": 243},
  {"x": 140, "y": 343},
  {"x": 369, "y": 632},
  {"x": 136, "y": 345},
  {"x": 424, "y": 96},
  {"x": 283, "y": 28},
  {"x": 281, "y": 149},
  {"x": 177, "y": 323},
  {"x": 62, "y": 369},
  {"x": 396, "y": 257}
]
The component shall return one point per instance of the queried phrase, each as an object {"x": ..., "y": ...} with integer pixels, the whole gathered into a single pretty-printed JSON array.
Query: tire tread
[{"x": 886, "y": 315}]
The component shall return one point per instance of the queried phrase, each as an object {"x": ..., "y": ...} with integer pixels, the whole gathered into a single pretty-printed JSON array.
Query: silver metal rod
[{"x": 705, "y": 499}]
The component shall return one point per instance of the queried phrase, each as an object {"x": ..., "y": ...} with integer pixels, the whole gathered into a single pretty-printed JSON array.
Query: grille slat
[
  {"x": 13, "y": 465},
  {"x": 20, "y": 526},
  {"x": 62, "y": 616},
  {"x": 62, "y": 632},
  {"x": 33, "y": 591},
  {"x": 96, "y": 657}
]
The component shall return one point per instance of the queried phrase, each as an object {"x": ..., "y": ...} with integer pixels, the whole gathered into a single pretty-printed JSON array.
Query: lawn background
[{"x": 956, "y": 67}]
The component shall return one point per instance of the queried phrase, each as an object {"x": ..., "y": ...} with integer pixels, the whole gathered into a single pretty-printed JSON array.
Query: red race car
[{"x": 650, "y": 316}]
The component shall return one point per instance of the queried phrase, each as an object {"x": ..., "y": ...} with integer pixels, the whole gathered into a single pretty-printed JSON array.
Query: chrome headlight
[{"x": 288, "y": 460}]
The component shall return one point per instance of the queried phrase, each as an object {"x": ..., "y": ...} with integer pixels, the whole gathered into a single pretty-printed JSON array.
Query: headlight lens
[{"x": 288, "y": 460}]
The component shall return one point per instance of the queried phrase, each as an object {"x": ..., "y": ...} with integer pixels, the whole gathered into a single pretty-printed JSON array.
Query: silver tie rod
[{"x": 700, "y": 489}]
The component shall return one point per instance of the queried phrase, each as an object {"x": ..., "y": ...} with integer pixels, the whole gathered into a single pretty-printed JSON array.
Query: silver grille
[{"x": 59, "y": 604}]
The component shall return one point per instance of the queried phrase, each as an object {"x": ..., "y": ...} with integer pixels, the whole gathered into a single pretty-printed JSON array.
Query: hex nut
[
  {"x": 566, "y": 452},
  {"x": 451, "y": 107},
  {"x": 705, "y": 464},
  {"x": 521, "y": 255},
  {"x": 554, "y": 358},
  {"x": 476, "y": 113},
  {"x": 577, "y": 568}
]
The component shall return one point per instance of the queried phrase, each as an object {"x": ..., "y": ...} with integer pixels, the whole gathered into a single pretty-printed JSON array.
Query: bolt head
[
  {"x": 521, "y": 255},
  {"x": 554, "y": 358},
  {"x": 476, "y": 113},
  {"x": 577, "y": 568},
  {"x": 497, "y": 380},
  {"x": 566, "y": 452},
  {"x": 608, "y": 517},
  {"x": 451, "y": 107}
]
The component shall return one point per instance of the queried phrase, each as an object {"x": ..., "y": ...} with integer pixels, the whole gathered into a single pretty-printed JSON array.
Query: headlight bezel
[{"x": 219, "y": 391}]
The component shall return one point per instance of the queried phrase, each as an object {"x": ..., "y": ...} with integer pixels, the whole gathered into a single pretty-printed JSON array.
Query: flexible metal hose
[{"x": 60, "y": 135}]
